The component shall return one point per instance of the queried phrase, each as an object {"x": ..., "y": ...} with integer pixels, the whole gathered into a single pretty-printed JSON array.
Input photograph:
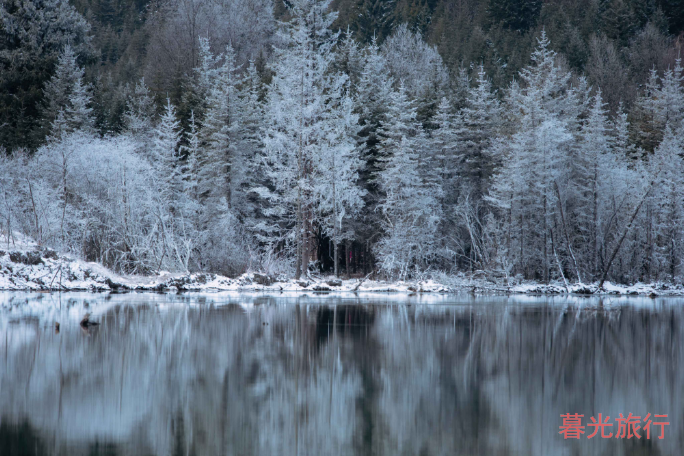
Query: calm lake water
[{"x": 248, "y": 374}]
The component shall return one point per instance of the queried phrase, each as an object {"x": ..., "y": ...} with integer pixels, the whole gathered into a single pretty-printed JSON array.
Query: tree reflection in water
[{"x": 324, "y": 375}]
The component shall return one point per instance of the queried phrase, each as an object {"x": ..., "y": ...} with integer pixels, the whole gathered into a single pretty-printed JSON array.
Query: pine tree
[
  {"x": 139, "y": 110},
  {"x": 667, "y": 206},
  {"x": 336, "y": 190},
  {"x": 198, "y": 88},
  {"x": 544, "y": 86},
  {"x": 79, "y": 112},
  {"x": 299, "y": 124},
  {"x": 589, "y": 175},
  {"x": 249, "y": 146},
  {"x": 165, "y": 154},
  {"x": 190, "y": 169},
  {"x": 33, "y": 35},
  {"x": 531, "y": 188},
  {"x": 372, "y": 100},
  {"x": 66, "y": 93},
  {"x": 648, "y": 124},
  {"x": 220, "y": 122},
  {"x": 419, "y": 67},
  {"x": 410, "y": 200},
  {"x": 479, "y": 121},
  {"x": 671, "y": 96},
  {"x": 621, "y": 134},
  {"x": 350, "y": 59}
]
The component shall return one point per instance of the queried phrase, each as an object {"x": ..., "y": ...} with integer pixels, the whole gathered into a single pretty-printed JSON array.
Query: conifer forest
[{"x": 522, "y": 139}]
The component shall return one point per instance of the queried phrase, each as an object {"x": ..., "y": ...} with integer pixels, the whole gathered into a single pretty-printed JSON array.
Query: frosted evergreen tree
[
  {"x": 66, "y": 92},
  {"x": 479, "y": 121},
  {"x": 218, "y": 126},
  {"x": 589, "y": 175},
  {"x": 409, "y": 206},
  {"x": 79, "y": 112},
  {"x": 249, "y": 146},
  {"x": 190, "y": 167},
  {"x": 299, "y": 124},
  {"x": 350, "y": 59},
  {"x": 442, "y": 148},
  {"x": 165, "y": 153},
  {"x": 419, "y": 66},
  {"x": 176, "y": 211},
  {"x": 139, "y": 110},
  {"x": 372, "y": 100},
  {"x": 671, "y": 96},
  {"x": 475, "y": 127},
  {"x": 621, "y": 131},
  {"x": 206, "y": 75},
  {"x": 337, "y": 191},
  {"x": 667, "y": 205},
  {"x": 543, "y": 86},
  {"x": 530, "y": 186},
  {"x": 648, "y": 124}
]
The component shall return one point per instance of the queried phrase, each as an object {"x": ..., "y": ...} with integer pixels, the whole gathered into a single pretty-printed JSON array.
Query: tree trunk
[
  {"x": 346, "y": 258},
  {"x": 624, "y": 235},
  {"x": 594, "y": 227},
  {"x": 565, "y": 230},
  {"x": 522, "y": 251},
  {"x": 560, "y": 266},
  {"x": 298, "y": 261},
  {"x": 337, "y": 259},
  {"x": 305, "y": 246},
  {"x": 546, "y": 257}
]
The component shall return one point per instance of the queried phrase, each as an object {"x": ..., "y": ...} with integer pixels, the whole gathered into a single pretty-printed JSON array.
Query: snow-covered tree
[
  {"x": 79, "y": 112},
  {"x": 139, "y": 112},
  {"x": 299, "y": 125},
  {"x": 479, "y": 121},
  {"x": 247, "y": 137},
  {"x": 350, "y": 59},
  {"x": 165, "y": 152},
  {"x": 409, "y": 206},
  {"x": 219, "y": 124},
  {"x": 621, "y": 131},
  {"x": 33, "y": 34},
  {"x": 66, "y": 95},
  {"x": 372, "y": 100},
  {"x": 442, "y": 145},
  {"x": 648, "y": 121},
  {"x": 531, "y": 187},
  {"x": 543, "y": 86},
  {"x": 337, "y": 190},
  {"x": 419, "y": 66},
  {"x": 175, "y": 211},
  {"x": 589, "y": 172},
  {"x": 190, "y": 169},
  {"x": 671, "y": 95},
  {"x": 667, "y": 207}
]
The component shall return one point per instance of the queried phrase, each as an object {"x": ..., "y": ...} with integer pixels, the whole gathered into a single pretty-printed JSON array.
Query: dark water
[{"x": 323, "y": 375}]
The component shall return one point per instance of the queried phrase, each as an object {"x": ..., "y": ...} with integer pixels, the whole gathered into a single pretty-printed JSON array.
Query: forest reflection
[{"x": 324, "y": 375}]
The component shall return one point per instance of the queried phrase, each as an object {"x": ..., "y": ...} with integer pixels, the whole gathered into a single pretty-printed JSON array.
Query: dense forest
[{"x": 525, "y": 139}]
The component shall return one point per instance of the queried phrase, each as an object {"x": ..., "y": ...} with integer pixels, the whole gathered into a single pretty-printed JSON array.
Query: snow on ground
[{"x": 26, "y": 266}]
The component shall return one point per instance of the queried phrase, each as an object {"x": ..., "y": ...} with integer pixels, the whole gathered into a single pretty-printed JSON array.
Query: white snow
[{"x": 55, "y": 272}]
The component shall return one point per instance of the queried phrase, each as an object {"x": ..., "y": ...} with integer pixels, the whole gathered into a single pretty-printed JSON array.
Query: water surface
[{"x": 248, "y": 374}]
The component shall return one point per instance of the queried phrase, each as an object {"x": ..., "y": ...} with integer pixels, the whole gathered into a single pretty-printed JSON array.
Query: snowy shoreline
[{"x": 45, "y": 270}]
